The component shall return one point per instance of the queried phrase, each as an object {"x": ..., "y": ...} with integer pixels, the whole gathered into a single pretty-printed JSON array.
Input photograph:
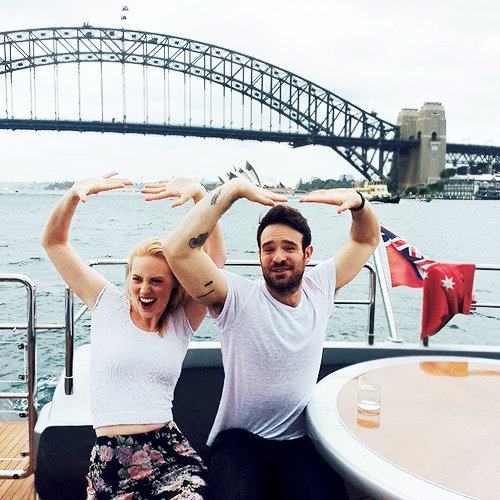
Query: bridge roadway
[
  {"x": 456, "y": 154},
  {"x": 293, "y": 139}
]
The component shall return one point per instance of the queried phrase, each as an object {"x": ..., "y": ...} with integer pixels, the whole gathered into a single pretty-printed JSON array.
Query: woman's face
[{"x": 151, "y": 283}]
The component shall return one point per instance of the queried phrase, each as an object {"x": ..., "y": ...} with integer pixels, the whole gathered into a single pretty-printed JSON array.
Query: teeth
[{"x": 147, "y": 301}]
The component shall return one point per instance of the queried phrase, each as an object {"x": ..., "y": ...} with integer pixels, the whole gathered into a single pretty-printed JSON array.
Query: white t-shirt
[
  {"x": 133, "y": 372},
  {"x": 272, "y": 354}
]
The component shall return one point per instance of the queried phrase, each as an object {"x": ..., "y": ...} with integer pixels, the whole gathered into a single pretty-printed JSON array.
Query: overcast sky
[{"x": 382, "y": 55}]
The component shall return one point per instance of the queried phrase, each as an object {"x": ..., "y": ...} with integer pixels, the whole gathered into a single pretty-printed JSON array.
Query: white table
[{"x": 437, "y": 435}]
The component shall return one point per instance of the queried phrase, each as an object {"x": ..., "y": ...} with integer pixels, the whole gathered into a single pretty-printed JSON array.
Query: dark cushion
[{"x": 63, "y": 462}]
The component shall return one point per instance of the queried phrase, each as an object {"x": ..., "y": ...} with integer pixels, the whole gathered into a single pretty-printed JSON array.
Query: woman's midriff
[{"x": 127, "y": 430}]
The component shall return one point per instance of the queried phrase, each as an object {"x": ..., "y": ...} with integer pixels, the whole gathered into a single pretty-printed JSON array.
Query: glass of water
[{"x": 369, "y": 394}]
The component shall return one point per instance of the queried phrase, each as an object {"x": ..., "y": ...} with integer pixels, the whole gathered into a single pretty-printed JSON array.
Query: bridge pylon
[{"x": 422, "y": 165}]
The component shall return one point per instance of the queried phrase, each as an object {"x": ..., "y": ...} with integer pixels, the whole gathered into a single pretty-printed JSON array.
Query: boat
[
  {"x": 52, "y": 462},
  {"x": 377, "y": 192},
  {"x": 385, "y": 199}
]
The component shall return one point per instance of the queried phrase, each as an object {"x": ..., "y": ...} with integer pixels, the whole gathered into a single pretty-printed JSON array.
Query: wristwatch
[{"x": 360, "y": 207}]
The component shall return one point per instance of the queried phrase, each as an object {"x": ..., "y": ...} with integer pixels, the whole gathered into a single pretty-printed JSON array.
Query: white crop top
[{"x": 133, "y": 372}]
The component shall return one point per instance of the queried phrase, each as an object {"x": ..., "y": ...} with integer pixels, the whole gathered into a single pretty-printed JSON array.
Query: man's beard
[{"x": 284, "y": 285}]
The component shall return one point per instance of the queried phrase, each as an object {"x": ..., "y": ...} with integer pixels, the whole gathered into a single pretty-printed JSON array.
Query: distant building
[
  {"x": 423, "y": 164},
  {"x": 472, "y": 187},
  {"x": 346, "y": 177}
]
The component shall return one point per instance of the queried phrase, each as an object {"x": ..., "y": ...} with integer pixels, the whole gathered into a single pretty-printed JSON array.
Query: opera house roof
[{"x": 249, "y": 173}]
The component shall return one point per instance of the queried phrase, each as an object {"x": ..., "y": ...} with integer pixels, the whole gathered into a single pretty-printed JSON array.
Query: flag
[
  {"x": 447, "y": 291},
  {"x": 447, "y": 287},
  {"x": 407, "y": 266}
]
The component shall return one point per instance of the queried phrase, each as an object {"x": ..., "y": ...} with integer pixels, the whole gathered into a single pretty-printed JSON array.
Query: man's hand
[
  {"x": 248, "y": 190},
  {"x": 344, "y": 198},
  {"x": 181, "y": 188}
]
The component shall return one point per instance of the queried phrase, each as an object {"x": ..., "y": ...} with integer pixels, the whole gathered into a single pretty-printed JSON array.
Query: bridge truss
[
  {"x": 473, "y": 155},
  {"x": 206, "y": 91}
]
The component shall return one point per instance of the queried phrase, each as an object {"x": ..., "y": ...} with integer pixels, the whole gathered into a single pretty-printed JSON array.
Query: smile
[
  {"x": 280, "y": 269},
  {"x": 146, "y": 302}
]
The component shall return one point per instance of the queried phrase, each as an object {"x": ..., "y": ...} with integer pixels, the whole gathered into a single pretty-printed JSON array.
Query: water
[
  {"x": 368, "y": 397},
  {"x": 369, "y": 393},
  {"x": 109, "y": 224}
]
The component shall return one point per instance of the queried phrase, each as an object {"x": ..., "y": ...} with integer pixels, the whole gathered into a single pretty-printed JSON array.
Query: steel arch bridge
[{"x": 218, "y": 93}]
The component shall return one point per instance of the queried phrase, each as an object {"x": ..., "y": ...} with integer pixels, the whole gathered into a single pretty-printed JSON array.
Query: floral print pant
[{"x": 154, "y": 465}]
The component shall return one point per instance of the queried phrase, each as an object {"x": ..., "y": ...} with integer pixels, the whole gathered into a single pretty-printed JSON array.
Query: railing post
[
  {"x": 371, "y": 309},
  {"x": 31, "y": 394},
  {"x": 70, "y": 341},
  {"x": 384, "y": 291}
]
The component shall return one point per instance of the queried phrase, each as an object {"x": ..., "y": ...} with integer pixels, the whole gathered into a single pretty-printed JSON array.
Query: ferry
[
  {"x": 45, "y": 452},
  {"x": 377, "y": 192}
]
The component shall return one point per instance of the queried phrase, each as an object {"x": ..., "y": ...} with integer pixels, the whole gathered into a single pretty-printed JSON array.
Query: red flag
[
  {"x": 447, "y": 291},
  {"x": 407, "y": 266}
]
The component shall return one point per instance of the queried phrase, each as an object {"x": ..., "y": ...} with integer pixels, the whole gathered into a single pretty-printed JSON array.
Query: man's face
[{"x": 281, "y": 257}]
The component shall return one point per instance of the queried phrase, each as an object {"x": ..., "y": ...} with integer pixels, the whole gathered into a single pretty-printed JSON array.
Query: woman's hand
[
  {"x": 181, "y": 188},
  {"x": 93, "y": 185}
]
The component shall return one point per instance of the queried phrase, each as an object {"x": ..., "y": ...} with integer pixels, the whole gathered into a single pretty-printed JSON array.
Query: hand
[
  {"x": 178, "y": 187},
  {"x": 85, "y": 187},
  {"x": 344, "y": 198},
  {"x": 251, "y": 192}
]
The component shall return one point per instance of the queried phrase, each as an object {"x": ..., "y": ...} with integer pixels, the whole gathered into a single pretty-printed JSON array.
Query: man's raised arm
[
  {"x": 194, "y": 269},
  {"x": 363, "y": 237}
]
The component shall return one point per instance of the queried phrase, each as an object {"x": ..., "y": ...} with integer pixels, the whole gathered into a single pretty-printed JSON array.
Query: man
[{"x": 271, "y": 335}]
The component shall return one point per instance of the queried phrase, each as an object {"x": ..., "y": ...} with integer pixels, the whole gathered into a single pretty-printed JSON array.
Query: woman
[{"x": 138, "y": 343}]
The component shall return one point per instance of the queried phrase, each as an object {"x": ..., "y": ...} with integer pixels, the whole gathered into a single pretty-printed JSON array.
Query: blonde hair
[{"x": 152, "y": 247}]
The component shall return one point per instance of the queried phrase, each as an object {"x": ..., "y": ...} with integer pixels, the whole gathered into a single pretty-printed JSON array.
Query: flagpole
[{"x": 384, "y": 290}]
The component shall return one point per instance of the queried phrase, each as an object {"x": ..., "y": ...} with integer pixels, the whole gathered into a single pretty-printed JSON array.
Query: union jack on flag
[{"x": 406, "y": 264}]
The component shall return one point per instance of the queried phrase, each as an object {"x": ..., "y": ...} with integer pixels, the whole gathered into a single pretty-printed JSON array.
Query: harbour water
[{"x": 109, "y": 224}]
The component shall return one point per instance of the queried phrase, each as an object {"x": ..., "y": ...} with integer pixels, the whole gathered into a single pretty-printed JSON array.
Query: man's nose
[{"x": 279, "y": 255}]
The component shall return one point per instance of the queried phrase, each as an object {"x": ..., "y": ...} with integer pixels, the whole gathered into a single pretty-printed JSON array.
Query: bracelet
[{"x": 357, "y": 209}]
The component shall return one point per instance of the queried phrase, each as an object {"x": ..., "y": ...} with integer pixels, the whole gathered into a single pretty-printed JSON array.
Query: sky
[{"x": 382, "y": 55}]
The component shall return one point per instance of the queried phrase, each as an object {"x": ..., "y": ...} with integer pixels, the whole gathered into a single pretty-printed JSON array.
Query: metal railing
[
  {"x": 71, "y": 319},
  {"x": 31, "y": 394}
]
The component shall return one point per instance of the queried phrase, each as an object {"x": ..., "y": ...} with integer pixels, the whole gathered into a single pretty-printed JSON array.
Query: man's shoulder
[
  {"x": 321, "y": 275},
  {"x": 231, "y": 276},
  {"x": 322, "y": 267}
]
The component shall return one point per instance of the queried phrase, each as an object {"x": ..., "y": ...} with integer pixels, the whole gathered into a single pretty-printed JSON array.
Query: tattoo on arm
[
  {"x": 215, "y": 197},
  {"x": 205, "y": 294},
  {"x": 199, "y": 241}
]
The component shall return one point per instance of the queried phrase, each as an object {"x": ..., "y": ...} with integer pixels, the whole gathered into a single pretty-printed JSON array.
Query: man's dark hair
[{"x": 288, "y": 216}]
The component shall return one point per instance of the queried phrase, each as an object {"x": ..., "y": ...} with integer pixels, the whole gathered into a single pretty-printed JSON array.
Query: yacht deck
[{"x": 13, "y": 443}]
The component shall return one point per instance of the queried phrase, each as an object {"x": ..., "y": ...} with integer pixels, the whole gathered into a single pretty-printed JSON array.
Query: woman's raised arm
[{"x": 85, "y": 282}]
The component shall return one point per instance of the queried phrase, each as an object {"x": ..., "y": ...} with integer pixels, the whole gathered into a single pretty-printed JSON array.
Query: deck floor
[{"x": 14, "y": 441}]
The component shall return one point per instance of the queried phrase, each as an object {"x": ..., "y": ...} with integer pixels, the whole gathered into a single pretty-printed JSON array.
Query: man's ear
[{"x": 308, "y": 253}]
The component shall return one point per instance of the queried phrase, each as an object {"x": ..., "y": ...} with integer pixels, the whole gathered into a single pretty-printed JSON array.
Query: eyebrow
[
  {"x": 285, "y": 242},
  {"x": 135, "y": 275}
]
